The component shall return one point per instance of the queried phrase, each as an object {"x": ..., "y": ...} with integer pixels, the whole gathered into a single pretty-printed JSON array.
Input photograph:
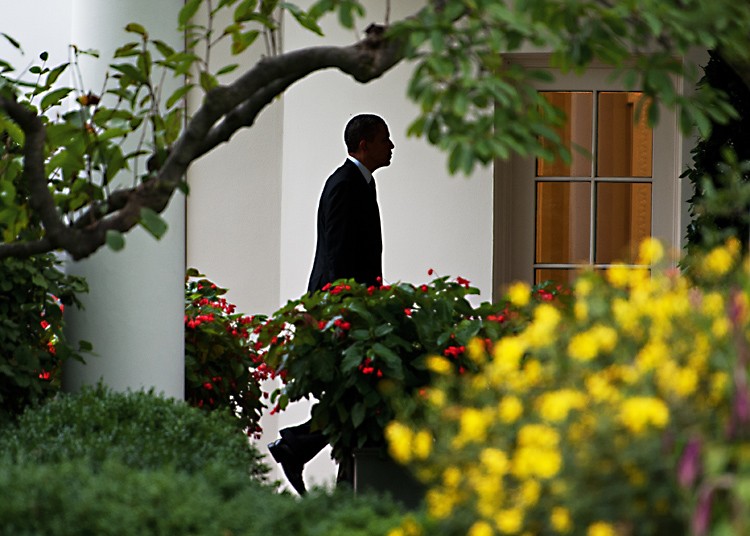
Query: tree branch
[{"x": 225, "y": 110}]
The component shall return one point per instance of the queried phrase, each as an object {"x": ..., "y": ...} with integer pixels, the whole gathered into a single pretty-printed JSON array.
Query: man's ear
[{"x": 362, "y": 146}]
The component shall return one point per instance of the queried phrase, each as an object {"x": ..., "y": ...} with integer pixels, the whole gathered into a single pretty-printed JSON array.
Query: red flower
[
  {"x": 407, "y": 312},
  {"x": 322, "y": 324},
  {"x": 326, "y": 287},
  {"x": 454, "y": 351},
  {"x": 44, "y": 324},
  {"x": 430, "y": 271},
  {"x": 461, "y": 281},
  {"x": 424, "y": 288},
  {"x": 545, "y": 295}
]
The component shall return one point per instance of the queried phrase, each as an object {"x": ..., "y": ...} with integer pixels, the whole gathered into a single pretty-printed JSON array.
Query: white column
[{"x": 134, "y": 311}]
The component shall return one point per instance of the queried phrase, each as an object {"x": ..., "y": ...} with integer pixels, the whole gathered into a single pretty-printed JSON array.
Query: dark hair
[{"x": 361, "y": 127}]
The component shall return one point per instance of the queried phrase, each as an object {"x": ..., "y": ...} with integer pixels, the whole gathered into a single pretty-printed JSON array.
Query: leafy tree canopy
[{"x": 62, "y": 147}]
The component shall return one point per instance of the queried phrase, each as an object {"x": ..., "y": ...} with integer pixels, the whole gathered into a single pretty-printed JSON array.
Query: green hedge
[
  {"x": 101, "y": 463},
  {"x": 141, "y": 430},
  {"x": 72, "y": 498}
]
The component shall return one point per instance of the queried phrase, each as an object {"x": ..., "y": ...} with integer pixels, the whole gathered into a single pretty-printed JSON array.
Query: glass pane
[
  {"x": 563, "y": 222},
  {"x": 576, "y": 132},
  {"x": 623, "y": 220},
  {"x": 560, "y": 276},
  {"x": 624, "y": 147}
]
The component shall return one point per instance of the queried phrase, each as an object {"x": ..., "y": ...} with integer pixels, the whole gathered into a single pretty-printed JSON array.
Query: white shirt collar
[{"x": 365, "y": 172}]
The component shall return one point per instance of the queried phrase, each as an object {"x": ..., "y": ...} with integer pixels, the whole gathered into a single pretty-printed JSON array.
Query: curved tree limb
[{"x": 225, "y": 110}]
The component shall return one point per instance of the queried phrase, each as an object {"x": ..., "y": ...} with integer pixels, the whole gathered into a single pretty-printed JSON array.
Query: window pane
[
  {"x": 560, "y": 276},
  {"x": 623, "y": 220},
  {"x": 624, "y": 145},
  {"x": 577, "y": 131},
  {"x": 563, "y": 222}
]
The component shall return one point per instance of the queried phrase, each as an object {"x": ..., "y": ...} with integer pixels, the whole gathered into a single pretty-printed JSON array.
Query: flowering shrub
[
  {"x": 222, "y": 368},
  {"x": 624, "y": 412},
  {"x": 33, "y": 294},
  {"x": 352, "y": 346}
]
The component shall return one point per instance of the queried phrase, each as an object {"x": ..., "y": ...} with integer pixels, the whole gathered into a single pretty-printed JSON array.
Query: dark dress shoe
[{"x": 291, "y": 465}]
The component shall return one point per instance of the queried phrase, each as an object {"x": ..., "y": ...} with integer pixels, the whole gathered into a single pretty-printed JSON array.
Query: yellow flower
[
  {"x": 637, "y": 413},
  {"x": 473, "y": 425},
  {"x": 537, "y": 453},
  {"x": 510, "y": 409},
  {"x": 583, "y": 346},
  {"x": 682, "y": 381},
  {"x": 533, "y": 461},
  {"x": 627, "y": 316},
  {"x": 530, "y": 492},
  {"x": 600, "y": 389},
  {"x": 399, "y": 439},
  {"x": 422, "y": 444},
  {"x": 436, "y": 397},
  {"x": 618, "y": 275},
  {"x": 720, "y": 327},
  {"x": 652, "y": 355},
  {"x": 519, "y": 294},
  {"x": 509, "y": 521},
  {"x": 583, "y": 287},
  {"x": 713, "y": 304},
  {"x": 495, "y": 461},
  {"x": 650, "y": 251},
  {"x": 601, "y": 529},
  {"x": 439, "y": 505},
  {"x": 606, "y": 337},
  {"x": 509, "y": 351},
  {"x": 438, "y": 365},
  {"x": 718, "y": 386},
  {"x": 489, "y": 492},
  {"x": 408, "y": 527},
  {"x": 581, "y": 311},
  {"x": 481, "y": 528},
  {"x": 541, "y": 331},
  {"x": 560, "y": 519},
  {"x": 476, "y": 351},
  {"x": 555, "y": 405},
  {"x": 539, "y": 435},
  {"x": 718, "y": 261},
  {"x": 451, "y": 476}
]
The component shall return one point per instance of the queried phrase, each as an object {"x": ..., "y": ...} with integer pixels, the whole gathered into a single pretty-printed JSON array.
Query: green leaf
[
  {"x": 14, "y": 131},
  {"x": 115, "y": 240},
  {"x": 208, "y": 81},
  {"x": 131, "y": 72},
  {"x": 12, "y": 41},
  {"x": 55, "y": 73},
  {"x": 358, "y": 414},
  {"x": 54, "y": 97},
  {"x": 245, "y": 11},
  {"x": 188, "y": 11},
  {"x": 227, "y": 69},
  {"x": 242, "y": 40},
  {"x": 136, "y": 28},
  {"x": 153, "y": 222},
  {"x": 303, "y": 18}
]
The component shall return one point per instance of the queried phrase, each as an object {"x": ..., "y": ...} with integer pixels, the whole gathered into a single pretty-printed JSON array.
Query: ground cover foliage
[{"x": 100, "y": 462}]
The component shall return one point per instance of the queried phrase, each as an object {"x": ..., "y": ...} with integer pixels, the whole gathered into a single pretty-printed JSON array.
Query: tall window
[{"x": 595, "y": 209}]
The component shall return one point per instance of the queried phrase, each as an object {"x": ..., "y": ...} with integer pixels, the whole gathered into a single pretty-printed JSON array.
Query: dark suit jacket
[{"x": 349, "y": 243}]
